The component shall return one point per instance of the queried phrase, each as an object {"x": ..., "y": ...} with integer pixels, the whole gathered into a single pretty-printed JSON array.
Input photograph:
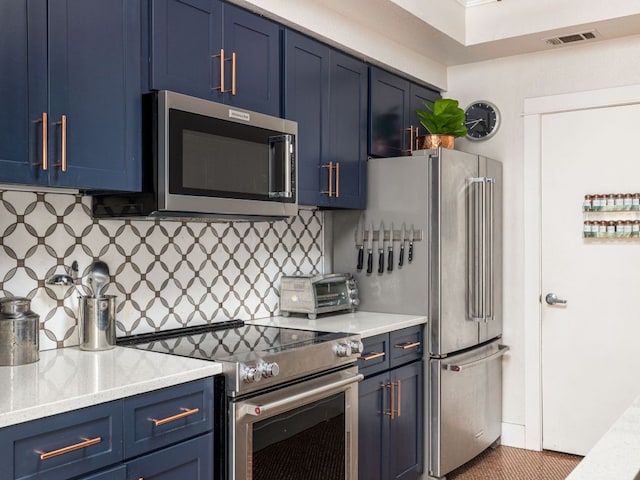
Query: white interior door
[{"x": 591, "y": 345}]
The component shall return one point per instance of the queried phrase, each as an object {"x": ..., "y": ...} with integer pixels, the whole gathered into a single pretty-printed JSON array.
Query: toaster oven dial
[
  {"x": 250, "y": 374},
  {"x": 269, "y": 369},
  {"x": 356, "y": 346},
  {"x": 343, "y": 350}
]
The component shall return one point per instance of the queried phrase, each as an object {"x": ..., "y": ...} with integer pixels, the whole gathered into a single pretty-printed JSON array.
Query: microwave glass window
[
  {"x": 210, "y": 156},
  {"x": 304, "y": 443},
  {"x": 216, "y": 163}
]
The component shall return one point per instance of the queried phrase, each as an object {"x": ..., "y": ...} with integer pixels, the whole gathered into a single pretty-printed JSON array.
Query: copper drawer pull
[
  {"x": 337, "y": 179},
  {"x": 330, "y": 191},
  {"x": 407, "y": 345},
  {"x": 399, "y": 397},
  {"x": 186, "y": 412},
  {"x": 70, "y": 448},
  {"x": 373, "y": 355},
  {"x": 63, "y": 144}
]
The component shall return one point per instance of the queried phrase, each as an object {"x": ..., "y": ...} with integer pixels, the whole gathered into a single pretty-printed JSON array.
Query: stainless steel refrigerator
[{"x": 431, "y": 243}]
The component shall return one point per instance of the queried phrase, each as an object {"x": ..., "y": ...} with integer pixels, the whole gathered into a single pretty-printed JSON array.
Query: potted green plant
[{"x": 444, "y": 120}]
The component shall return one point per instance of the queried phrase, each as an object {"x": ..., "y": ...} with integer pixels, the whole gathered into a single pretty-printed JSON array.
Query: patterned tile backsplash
[{"x": 164, "y": 274}]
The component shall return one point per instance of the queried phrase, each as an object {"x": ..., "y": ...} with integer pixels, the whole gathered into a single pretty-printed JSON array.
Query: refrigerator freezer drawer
[{"x": 465, "y": 406}]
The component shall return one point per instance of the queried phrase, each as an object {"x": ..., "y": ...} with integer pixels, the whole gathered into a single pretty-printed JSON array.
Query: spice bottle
[
  {"x": 619, "y": 201},
  {"x": 628, "y": 201},
  {"x": 588, "y": 203}
]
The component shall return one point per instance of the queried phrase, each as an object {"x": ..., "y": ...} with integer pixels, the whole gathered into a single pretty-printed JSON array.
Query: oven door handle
[{"x": 257, "y": 410}]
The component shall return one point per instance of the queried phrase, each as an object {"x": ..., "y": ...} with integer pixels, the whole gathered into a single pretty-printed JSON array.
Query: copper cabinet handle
[
  {"x": 411, "y": 137},
  {"x": 337, "y": 179},
  {"x": 61, "y": 451},
  {"x": 186, "y": 412},
  {"x": 405, "y": 346},
  {"x": 63, "y": 145},
  {"x": 399, "y": 390},
  {"x": 392, "y": 412},
  {"x": 233, "y": 73},
  {"x": 44, "y": 123},
  {"x": 373, "y": 355},
  {"x": 221, "y": 55},
  {"x": 330, "y": 191}
]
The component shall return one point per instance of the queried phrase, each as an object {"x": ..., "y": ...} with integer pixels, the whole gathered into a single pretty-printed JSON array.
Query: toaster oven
[{"x": 316, "y": 294}]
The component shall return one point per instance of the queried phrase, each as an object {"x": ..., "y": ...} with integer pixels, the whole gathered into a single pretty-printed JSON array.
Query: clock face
[{"x": 482, "y": 120}]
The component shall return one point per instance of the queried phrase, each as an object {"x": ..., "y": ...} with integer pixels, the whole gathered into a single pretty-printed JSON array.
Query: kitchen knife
[
  {"x": 360, "y": 242},
  {"x": 410, "y": 254},
  {"x": 370, "y": 249},
  {"x": 381, "y": 248},
  {"x": 390, "y": 259},
  {"x": 402, "y": 240}
]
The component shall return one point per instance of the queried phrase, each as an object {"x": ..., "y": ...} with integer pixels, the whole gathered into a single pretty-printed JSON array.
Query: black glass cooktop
[{"x": 227, "y": 340}]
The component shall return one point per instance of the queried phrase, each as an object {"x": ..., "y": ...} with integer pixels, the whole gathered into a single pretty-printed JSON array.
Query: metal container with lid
[{"x": 19, "y": 337}]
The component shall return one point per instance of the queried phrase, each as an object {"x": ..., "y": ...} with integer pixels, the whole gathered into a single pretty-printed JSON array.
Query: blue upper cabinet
[
  {"x": 216, "y": 51},
  {"x": 326, "y": 93},
  {"x": 71, "y": 97},
  {"x": 307, "y": 102},
  {"x": 186, "y": 39},
  {"x": 392, "y": 119}
]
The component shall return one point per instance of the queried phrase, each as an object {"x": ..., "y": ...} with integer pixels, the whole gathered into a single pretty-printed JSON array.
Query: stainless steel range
[{"x": 288, "y": 397}]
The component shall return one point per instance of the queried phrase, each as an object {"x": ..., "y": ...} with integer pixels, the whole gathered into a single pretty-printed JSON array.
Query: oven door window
[
  {"x": 215, "y": 157},
  {"x": 305, "y": 443}
]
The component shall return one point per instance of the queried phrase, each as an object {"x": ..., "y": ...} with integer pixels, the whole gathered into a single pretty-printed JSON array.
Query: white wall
[{"x": 507, "y": 82}]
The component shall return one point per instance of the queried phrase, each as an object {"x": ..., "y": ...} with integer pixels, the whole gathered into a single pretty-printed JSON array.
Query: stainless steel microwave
[{"x": 205, "y": 159}]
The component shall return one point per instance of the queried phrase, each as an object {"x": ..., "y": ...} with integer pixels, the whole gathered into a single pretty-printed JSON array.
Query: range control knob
[
  {"x": 250, "y": 374},
  {"x": 343, "y": 350},
  {"x": 356, "y": 346},
  {"x": 269, "y": 369}
]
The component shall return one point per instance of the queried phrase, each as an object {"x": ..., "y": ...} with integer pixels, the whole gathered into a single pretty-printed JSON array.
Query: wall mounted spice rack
[{"x": 603, "y": 226}]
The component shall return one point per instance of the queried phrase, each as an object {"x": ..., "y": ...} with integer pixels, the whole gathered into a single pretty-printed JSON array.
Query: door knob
[{"x": 553, "y": 299}]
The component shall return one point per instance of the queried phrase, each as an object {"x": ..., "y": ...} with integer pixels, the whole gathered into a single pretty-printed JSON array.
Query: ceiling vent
[{"x": 573, "y": 38}]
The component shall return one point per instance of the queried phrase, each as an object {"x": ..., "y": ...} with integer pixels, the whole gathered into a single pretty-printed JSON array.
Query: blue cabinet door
[
  {"x": 255, "y": 41},
  {"x": 419, "y": 95},
  {"x": 388, "y": 114},
  {"x": 348, "y": 130},
  {"x": 22, "y": 55},
  {"x": 78, "y": 60},
  {"x": 192, "y": 460},
  {"x": 406, "y": 429},
  {"x": 94, "y": 83},
  {"x": 373, "y": 428},
  {"x": 186, "y": 39},
  {"x": 307, "y": 67},
  {"x": 392, "y": 118}
]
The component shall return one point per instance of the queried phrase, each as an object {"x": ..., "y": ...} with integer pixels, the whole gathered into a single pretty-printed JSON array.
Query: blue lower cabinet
[
  {"x": 63, "y": 446},
  {"x": 391, "y": 424},
  {"x": 192, "y": 460},
  {"x": 391, "y": 406}
]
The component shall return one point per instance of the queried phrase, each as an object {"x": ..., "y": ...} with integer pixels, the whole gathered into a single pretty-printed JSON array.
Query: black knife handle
[
  {"x": 390, "y": 261},
  {"x": 370, "y": 262},
  {"x": 381, "y": 262},
  {"x": 401, "y": 255},
  {"x": 410, "y": 254},
  {"x": 360, "y": 258}
]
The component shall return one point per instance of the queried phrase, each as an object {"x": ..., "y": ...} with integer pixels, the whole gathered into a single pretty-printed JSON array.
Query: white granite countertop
[
  {"x": 69, "y": 378},
  {"x": 367, "y": 324},
  {"x": 617, "y": 453}
]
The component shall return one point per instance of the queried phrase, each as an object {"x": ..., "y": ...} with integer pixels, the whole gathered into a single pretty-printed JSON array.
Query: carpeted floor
[{"x": 508, "y": 463}]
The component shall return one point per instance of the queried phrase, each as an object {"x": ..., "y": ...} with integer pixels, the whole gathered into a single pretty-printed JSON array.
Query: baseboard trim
[{"x": 513, "y": 435}]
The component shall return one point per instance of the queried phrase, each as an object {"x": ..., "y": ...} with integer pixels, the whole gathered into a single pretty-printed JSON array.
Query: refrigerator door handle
[
  {"x": 476, "y": 249},
  {"x": 502, "y": 349},
  {"x": 489, "y": 218}
]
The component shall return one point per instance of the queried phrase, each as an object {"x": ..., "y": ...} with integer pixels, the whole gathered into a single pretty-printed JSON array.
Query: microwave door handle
[{"x": 282, "y": 189}]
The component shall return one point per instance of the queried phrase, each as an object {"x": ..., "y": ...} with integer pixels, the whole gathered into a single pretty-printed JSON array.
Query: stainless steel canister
[
  {"x": 97, "y": 322},
  {"x": 19, "y": 336}
]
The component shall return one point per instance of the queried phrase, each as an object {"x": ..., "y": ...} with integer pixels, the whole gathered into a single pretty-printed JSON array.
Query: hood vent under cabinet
[{"x": 573, "y": 37}]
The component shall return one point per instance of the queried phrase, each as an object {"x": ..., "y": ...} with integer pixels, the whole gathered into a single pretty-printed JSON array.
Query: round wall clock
[{"x": 482, "y": 120}]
